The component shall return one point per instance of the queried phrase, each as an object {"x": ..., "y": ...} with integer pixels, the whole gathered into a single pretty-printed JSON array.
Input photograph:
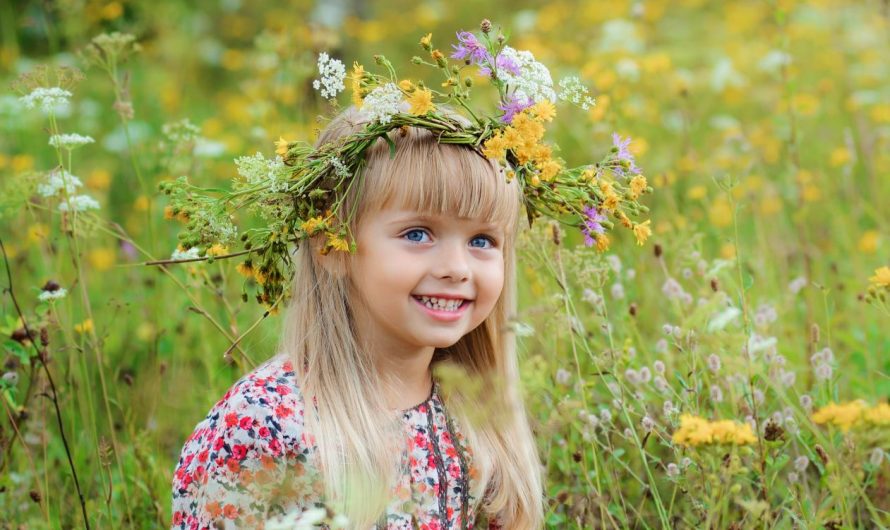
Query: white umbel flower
[
  {"x": 191, "y": 253},
  {"x": 69, "y": 141},
  {"x": 533, "y": 82},
  {"x": 57, "y": 181},
  {"x": 382, "y": 103},
  {"x": 49, "y": 99},
  {"x": 333, "y": 72},
  {"x": 52, "y": 295},
  {"x": 571, "y": 89},
  {"x": 79, "y": 203}
]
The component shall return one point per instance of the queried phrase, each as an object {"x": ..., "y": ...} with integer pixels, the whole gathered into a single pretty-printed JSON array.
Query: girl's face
[{"x": 403, "y": 255}]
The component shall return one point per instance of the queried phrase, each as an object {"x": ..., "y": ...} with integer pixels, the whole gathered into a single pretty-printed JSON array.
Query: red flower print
[
  {"x": 283, "y": 411},
  {"x": 246, "y": 422},
  {"x": 283, "y": 390},
  {"x": 202, "y": 456},
  {"x": 230, "y": 511},
  {"x": 231, "y": 419},
  {"x": 265, "y": 432},
  {"x": 239, "y": 451}
]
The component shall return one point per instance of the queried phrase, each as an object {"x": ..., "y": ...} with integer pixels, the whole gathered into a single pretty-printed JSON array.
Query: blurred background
[{"x": 763, "y": 126}]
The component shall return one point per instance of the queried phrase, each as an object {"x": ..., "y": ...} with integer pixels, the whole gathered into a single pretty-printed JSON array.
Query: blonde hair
[{"x": 358, "y": 438}]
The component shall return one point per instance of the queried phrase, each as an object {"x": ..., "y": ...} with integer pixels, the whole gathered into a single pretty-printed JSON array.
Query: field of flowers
[{"x": 733, "y": 371}]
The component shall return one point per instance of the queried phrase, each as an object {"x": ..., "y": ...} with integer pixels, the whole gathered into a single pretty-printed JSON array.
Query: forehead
[{"x": 392, "y": 216}]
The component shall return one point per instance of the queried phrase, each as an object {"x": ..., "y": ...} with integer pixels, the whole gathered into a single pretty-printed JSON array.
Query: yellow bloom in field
[
  {"x": 720, "y": 213},
  {"x": 337, "y": 243},
  {"x": 495, "y": 147},
  {"x": 358, "y": 74},
  {"x": 217, "y": 250},
  {"x": 637, "y": 186},
  {"x": 695, "y": 431},
  {"x": 881, "y": 277},
  {"x": 310, "y": 226},
  {"x": 37, "y": 232},
  {"x": 427, "y": 41},
  {"x": 421, "y": 101},
  {"x": 406, "y": 85},
  {"x": 245, "y": 268},
  {"x": 549, "y": 169},
  {"x": 281, "y": 147},
  {"x": 868, "y": 243},
  {"x": 544, "y": 110},
  {"x": 141, "y": 203},
  {"x": 840, "y": 156},
  {"x": 84, "y": 327},
  {"x": 844, "y": 415},
  {"x": 642, "y": 231},
  {"x": 101, "y": 259},
  {"x": 878, "y": 415}
]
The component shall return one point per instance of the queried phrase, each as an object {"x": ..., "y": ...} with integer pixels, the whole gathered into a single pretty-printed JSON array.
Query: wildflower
[
  {"x": 878, "y": 415},
  {"x": 632, "y": 376},
  {"x": 801, "y": 463},
  {"x": 528, "y": 78},
  {"x": 672, "y": 288},
  {"x": 383, "y": 103},
  {"x": 614, "y": 262},
  {"x": 673, "y": 470},
  {"x": 563, "y": 376},
  {"x": 638, "y": 185},
  {"x": 79, "y": 203},
  {"x": 642, "y": 231},
  {"x": 844, "y": 415},
  {"x": 427, "y": 41},
  {"x": 358, "y": 75},
  {"x": 647, "y": 423},
  {"x": 623, "y": 161},
  {"x": 49, "y": 99},
  {"x": 645, "y": 374},
  {"x": 52, "y": 294},
  {"x": 685, "y": 462},
  {"x": 714, "y": 363},
  {"x": 245, "y": 268},
  {"x": 806, "y": 402},
  {"x": 797, "y": 284},
  {"x": 668, "y": 407},
  {"x": 69, "y": 141},
  {"x": 421, "y": 101},
  {"x": 58, "y": 180},
  {"x": 605, "y": 415},
  {"x": 660, "y": 383},
  {"x": 793, "y": 477},
  {"x": 716, "y": 394},
  {"x": 189, "y": 254},
  {"x": 593, "y": 420},
  {"x": 881, "y": 278},
  {"x": 617, "y": 291},
  {"x": 757, "y": 395},
  {"x": 823, "y": 372},
  {"x": 84, "y": 327},
  {"x": 661, "y": 346},
  {"x": 333, "y": 72},
  {"x": 696, "y": 431},
  {"x": 592, "y": 226},
  {"x": 281, "y": 147},
  {"x": 513, "y": 106},
  {"x": 574, "y": 91},
  {"x": 470, "y": 49},
  {"x": 787, "y": 378}
]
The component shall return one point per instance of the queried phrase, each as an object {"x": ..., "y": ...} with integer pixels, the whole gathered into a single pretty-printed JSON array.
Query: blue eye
[
  {"x": 407, "y": 234},
  {"x": 485, "y": 238},
  {"x": 412, "y": 231}
]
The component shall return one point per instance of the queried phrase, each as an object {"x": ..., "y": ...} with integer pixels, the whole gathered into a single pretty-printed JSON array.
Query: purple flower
[
  {"x": 592, "y": 225},
  {"x": 503, "y": 62},
  {"x": 623, "y": 155},
  {"x": 514, "y": 106},
  {"x": 470, "y": 48}
]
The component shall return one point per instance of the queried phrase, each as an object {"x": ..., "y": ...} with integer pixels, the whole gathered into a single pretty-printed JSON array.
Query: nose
[{"x": 452, "y": 262}]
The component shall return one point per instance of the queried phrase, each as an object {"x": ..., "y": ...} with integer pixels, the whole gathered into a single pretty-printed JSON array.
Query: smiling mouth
[{"x": 435, "y": 307}]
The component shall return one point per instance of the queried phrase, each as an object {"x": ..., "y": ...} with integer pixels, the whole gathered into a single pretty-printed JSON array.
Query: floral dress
[{"x": 251, "y": 460}]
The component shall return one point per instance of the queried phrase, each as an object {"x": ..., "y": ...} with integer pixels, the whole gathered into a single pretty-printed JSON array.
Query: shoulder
[{"x": 252, "y": 436}]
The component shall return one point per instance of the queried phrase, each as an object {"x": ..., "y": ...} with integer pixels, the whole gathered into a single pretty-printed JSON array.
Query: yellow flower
[
  {"x": 696, "y": 431},
  {"x": 102, "y": 259},
  {"x": 421, "y": 101},
  {"x": 610, "y": 203},
  {"x": 310, "y": 226},
  {"x": 642, "y": 231},
  {"x": 637, "y": 186},
  {"x": 245, "y": 268},
  {"x": 878, "y": 415},
  {"x": 495, "y": 147},
  {"x": 84, "y": 327},
  {"x": 602, "y": 242},
  {"x": 406, "y": 85},
  {"x": 549, "y": 170},
  {"x": 337, "y": 243},
  {"x": 427, "y": 41},
  {"x": 217, "y": 250},
  {"x": 544, "y": 110},
  {"x": 844, "y": 415},
  {"x": 260, "y": 276},
  {"x": 168, "y": 212},
  {"x": 281, "y": 147},
  {"x": 868, "y": 243},
  {"x": 881, "y": 277}
]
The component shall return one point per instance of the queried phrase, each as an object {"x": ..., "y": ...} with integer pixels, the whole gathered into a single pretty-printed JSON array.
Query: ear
[{"x": 334, "y": 262}]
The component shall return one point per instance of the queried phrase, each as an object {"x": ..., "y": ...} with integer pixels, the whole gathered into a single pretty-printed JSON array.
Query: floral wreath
[{"x": 299, "y": 192}]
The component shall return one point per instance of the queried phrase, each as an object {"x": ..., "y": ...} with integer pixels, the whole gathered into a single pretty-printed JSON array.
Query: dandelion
[
  {"x": 642, "y": 231},
  {"x": 49, "y": 99},
  {"x": 333, "y": 72},
  {"x": 573, "y": 91},
  {"x": 79, "y": 203},
  {"x": 281, "y": 146},
  {"x": 383, "y": 103},
  {"x": 713, "y": 363},
  {"x": 69, "y": 141},
  {"x": 421, "y": 101}
]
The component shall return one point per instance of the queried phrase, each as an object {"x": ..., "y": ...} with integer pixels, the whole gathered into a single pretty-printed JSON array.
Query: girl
[{"x": 350, "y": 414}]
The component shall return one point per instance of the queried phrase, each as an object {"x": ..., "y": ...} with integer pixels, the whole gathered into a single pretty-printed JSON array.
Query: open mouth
[{"x": 450, "y": 307}]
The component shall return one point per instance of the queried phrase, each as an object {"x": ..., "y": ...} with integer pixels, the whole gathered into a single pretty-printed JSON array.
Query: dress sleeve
[{"x": 244, "y": 463}]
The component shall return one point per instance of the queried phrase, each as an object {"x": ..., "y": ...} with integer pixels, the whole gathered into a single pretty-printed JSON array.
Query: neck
[{"x": 407, "y": 378}]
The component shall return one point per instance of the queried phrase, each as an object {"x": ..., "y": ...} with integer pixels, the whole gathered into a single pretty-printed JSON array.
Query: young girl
[{"x": 350, "y": 414}]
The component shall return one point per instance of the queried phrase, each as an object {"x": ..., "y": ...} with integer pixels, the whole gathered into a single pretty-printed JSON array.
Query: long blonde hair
[{"x": 358, "y": 438}]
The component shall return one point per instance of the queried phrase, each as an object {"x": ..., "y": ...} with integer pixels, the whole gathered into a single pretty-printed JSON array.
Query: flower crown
[{"x": 299, "y": 192}]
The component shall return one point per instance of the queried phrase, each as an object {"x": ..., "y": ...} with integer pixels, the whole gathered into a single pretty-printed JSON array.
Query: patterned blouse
[{"x": 250, "y": 459}]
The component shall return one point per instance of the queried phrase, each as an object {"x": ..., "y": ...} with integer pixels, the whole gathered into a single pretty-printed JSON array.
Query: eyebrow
[{"x": 432, "y": 219}]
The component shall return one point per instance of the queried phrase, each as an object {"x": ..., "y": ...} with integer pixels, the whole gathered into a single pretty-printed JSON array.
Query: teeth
[{"x": 441, "y": 303}]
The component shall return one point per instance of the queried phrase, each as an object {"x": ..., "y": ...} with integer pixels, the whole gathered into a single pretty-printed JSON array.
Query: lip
[
  {"x": 444, "y": 296},
  {"x": 444, "y": 316}
]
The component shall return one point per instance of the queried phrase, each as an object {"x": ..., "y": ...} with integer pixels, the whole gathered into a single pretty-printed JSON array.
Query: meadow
[{"x": 733, "y": 371}]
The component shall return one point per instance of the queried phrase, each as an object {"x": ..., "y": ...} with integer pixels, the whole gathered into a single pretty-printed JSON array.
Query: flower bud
[
  {"x": 485, "y": 26},
  {"x": 416, "y": 60}
]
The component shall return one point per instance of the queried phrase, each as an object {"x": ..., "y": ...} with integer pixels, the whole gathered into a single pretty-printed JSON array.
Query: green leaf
[
  {"x": 392, "y": 146},
  {"x": 18, "y": 350}
]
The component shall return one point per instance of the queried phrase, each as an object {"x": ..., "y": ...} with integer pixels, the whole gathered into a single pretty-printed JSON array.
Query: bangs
[{"x": 439, "y": 179}]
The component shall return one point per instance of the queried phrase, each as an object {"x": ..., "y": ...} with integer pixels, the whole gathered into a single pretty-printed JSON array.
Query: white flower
[
  {"x": 714, "y": 363},
  {"x": 69, "y": 141},
  {"x": 563, "y": 376},
  {"x": 382, "y": 103},
  {"x": 339, "y": 167},
  {"x": 672, "y": 470},
  {"x": 258, "y": 170},
  {"x": 191, "y": 253},
  {"x": 52, "y": 295},
  {"x": 645, "y": 374},
  {"x": 574, "y": 91},
  {"x": 876, "y": 457},
  {"x": 797, "y": 284},
  {"x": 533, "y": 82},
  {"x": 823, "y": 372},
  {"x": 716, "y": 394},
  {"x": 658, "y": 366},
  {"x": 49, "y": 99},
  {"x": 614, "y": 262},
  {"x": 617, "y": 291},
  {"x": 801, "y": 463},
  {"x": 647, "y": 423},
  {"x": 56, "y": 181},
  {"x": 79, "y": 203},
  {"x": 332, "y": 75},
  {"x": 206, "y": 148}
]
